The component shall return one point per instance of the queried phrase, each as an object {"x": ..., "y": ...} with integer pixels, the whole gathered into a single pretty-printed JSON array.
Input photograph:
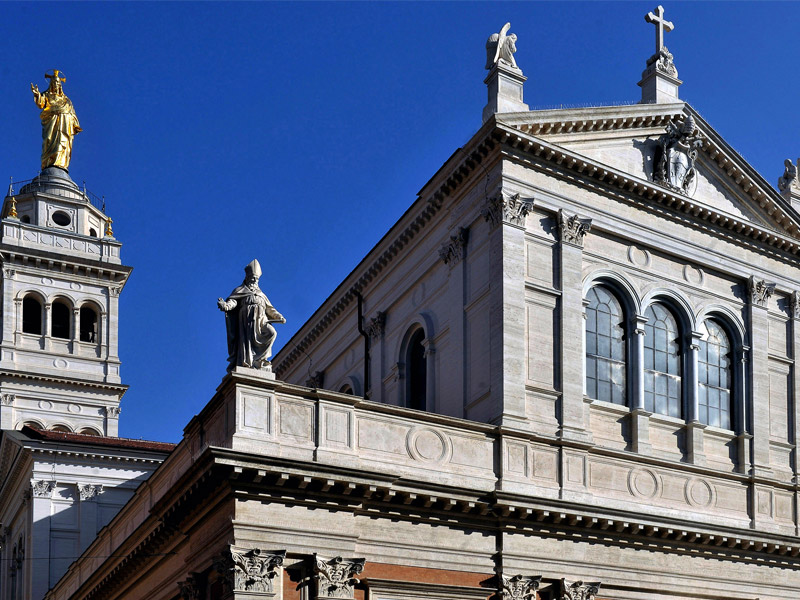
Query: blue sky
[{"x": 297, "y": 133}]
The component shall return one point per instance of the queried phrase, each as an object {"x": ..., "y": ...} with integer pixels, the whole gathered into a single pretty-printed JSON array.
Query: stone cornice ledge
[{"x": 631, "y": 184}]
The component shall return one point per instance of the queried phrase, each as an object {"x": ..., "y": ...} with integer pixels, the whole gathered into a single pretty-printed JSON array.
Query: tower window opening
[
  {"x": 31, "y": 316},
  {"x": 417, "y": 372},
  {"x": 93, "y": 232},
  {"x": 25, "y": 218},
  {"x": 61, "y": 315},
  {"x": 61, "y": 218},
  {"x": 88, "y": 318}
]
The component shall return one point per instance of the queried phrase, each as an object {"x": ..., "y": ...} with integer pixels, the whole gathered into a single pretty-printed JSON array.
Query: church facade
[{"x": 568, "y": 371}]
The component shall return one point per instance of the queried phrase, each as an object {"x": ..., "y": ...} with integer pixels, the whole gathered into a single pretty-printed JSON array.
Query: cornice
[
  {"x": 635, "y": 186},
  {"x": 116, "y": 387},
  {"x": 36, "y": 258}
]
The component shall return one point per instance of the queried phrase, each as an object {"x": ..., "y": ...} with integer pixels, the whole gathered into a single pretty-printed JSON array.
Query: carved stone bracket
[
  {"x": 7, "y": 399},
  {"x": 453, "y": 251},
  {"x": 316, "y": 380},
  {"x": 760, "y": 291},
  {"x": 513, "y": 210},
  {"x": 519, "y": 587},
  {"x": 191, "y": 588},
  {"x": 42, "y": 489},
  {"x": 573, "y": 228},
  {"x": 88, "y": 491},
  {"x": 336, "y": 577},
  {"x": 248, "y": 569},
  {"x": 579, "y": 590},
  {"x": 376, "y": 325}
]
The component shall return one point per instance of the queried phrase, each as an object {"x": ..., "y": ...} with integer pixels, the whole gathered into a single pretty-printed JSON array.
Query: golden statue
[{"x": 59, "y": 123}]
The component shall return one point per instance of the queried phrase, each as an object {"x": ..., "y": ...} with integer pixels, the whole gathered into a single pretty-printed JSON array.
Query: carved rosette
[
  {"x": 579, "y": 590},
  {"x": 500, "y": 209},
  {"x": 760, "y": 291},
  {"x": 336, "y": 577},
  {"x": 42, "y": 489},
  {"x": 376, "y": 325},
  {"x": 316, "y": 380},
  {"x": 88, "y": 491},
  {"x": 453, "y": 251},
  {"x": 573, "y": 229},
  {"x": 519, "y": 587},
  {"x": 248, "y": 569},
  {"x": 191, "y": 588}
]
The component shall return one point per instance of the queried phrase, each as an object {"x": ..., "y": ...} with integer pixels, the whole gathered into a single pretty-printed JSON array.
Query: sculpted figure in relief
[
  {"x": 248, "y": 318},
  {"x": 500, "y": 48},
  {"x": 59, "y": 123},
  {"x": 675, "y": 162}
]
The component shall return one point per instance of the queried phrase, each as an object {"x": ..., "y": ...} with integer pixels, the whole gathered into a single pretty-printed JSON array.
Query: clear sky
[{"x": 297, "y": 133}]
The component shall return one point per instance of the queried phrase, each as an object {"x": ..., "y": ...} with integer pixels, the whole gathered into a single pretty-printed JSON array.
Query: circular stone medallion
[
  {"x": 74, "y": 408},
  {"x": 428, "y": 445},
  {"x": 699, "y": 493},
  {"x": 60, "y": 363},
  {"x": 639, "y": 256},
  {"x": 644, "y": 483}
]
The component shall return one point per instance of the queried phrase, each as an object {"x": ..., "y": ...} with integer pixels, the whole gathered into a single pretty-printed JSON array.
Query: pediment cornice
[
  {"x": 632, "y": 185},
  {"x": 749, "y": 184}
]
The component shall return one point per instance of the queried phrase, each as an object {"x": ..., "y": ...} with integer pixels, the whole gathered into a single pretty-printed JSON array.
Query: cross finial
[{"x": 662, "y": 25}]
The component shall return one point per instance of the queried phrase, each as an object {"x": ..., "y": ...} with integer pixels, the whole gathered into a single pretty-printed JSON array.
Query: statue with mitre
[
  {"x": 248, "y": 319},
  {"x": 59, "y": 122}
]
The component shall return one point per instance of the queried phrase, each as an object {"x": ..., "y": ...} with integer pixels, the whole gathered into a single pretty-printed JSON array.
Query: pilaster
[
  {"x": 453, "y": 254},
  {"x": 759, "y": 294},
  {"x": 795, "y": 310},
  {"x": 41, "y": 494},
  {"x": 572, "y": 231}
]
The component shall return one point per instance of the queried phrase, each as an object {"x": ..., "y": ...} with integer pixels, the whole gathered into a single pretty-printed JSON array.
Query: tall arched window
[
  {"x": 31, "y": 315},
  {"x": 714, "y": 376},
  {"x": 605, "y": 347},
  {"x": 88, "y": 324},
  {"x": 416, "y": 372},
  {"x": 662, "y": 362},
  {"x": 60, "y": 315}
]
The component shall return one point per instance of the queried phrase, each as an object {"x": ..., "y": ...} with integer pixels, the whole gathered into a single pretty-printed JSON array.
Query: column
[
  {"x": 796, "y": 381},
  {"x": 694, "y": 428},
  {"x": 640, "y": 418},
  {"x": 572, "y": 232},
  {"x": 87, "y": 494},
  {"x": 48, "y": 319},
  {"x": 76, "y": 335},
  {"x": 41, "y": 493}
]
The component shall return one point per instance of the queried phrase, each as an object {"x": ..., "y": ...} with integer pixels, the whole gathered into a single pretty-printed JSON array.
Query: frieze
[
  {"x": 573, "y": 228},
  {"x": 519, "y": 587},
  {"x": 760, "y": 291},
  {"x": 453, "y": 251},
  {"x": 579, "y": 590},
  {"x": 500, "y": 209},
  {"x": 336, "y": 577},
  {"x": 248, "y": 569},
  {"x": 42, "y": 489},
  {"x": 377, "y": 325}
]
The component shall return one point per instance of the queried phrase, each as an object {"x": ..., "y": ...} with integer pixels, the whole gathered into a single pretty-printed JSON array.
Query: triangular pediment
[{"x": 626, "y": 139}]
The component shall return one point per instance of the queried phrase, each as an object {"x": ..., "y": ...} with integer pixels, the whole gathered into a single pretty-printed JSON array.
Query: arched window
[
  {"x": 417, "y": 372},
  {"x": 88, "y": 431},
  {"x": 25, "y": 218},
  {"x": 714, "y": 376},
  {"x": 346, "y": 389},
  {"x": 61, "y": 429},
  {"x": 88, "y": 324},
  {"x": 662, "y": 362},
  {"x": 605, "y": 347},
  {"x": 32, "y": 425},
  {"x": 31, "y": 315},
  {"x": 61, "y": 316}
]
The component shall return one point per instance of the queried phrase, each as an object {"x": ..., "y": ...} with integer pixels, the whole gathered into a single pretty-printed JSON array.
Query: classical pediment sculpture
[
  {"x": 789, "y": 176},
  {"x": 676, "y": 155},
  {"x": 500, "y": 48},
  {"x": 248, "y": 319},
  {"x": 59, "y": 122}
]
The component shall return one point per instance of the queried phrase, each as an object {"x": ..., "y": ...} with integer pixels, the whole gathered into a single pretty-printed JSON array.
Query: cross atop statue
[{"x": 662, "y": 25}]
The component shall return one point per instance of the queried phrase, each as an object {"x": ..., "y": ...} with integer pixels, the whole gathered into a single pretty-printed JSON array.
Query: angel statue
[
  {"x": 248, "y": 319},
  {"x": 59, "y": 122},
  {"x": 500, "y": 48},
  {"x": 789, "y": 175}
]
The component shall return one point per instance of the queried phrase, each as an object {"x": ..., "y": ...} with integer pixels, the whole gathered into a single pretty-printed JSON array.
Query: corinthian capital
[
  {"x": 760, "y": 291},
  {"x": 573, "y": 228},
  {"x": 336, "y": 576}
]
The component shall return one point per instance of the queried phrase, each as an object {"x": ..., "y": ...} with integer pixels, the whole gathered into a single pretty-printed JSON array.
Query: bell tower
[{"x": 60, "y": 284}]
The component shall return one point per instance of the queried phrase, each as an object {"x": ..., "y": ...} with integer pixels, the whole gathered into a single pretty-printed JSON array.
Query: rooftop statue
[
  {"x": 59, "y": 122},
  {"x": 248, "y": 318},
  {"x": 789, "y": 177},
  {"x": 500, "y": 48}
]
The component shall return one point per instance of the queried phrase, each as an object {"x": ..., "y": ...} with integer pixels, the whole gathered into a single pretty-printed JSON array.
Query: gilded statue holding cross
[{"x": 59, "y": 122}]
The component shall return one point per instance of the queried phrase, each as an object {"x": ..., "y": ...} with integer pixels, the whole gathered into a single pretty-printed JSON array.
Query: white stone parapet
[{"x": 26, "y": 235}]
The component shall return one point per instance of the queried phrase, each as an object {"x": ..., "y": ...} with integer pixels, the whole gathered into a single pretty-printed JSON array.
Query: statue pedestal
[
  {"x": 505, "y": 91},
  {"x": 265, "y": 373},
  {"x": 659, "y": 87}
]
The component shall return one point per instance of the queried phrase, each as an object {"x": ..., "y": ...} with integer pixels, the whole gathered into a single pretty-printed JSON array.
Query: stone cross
[{"x": 661, "y": 24}]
